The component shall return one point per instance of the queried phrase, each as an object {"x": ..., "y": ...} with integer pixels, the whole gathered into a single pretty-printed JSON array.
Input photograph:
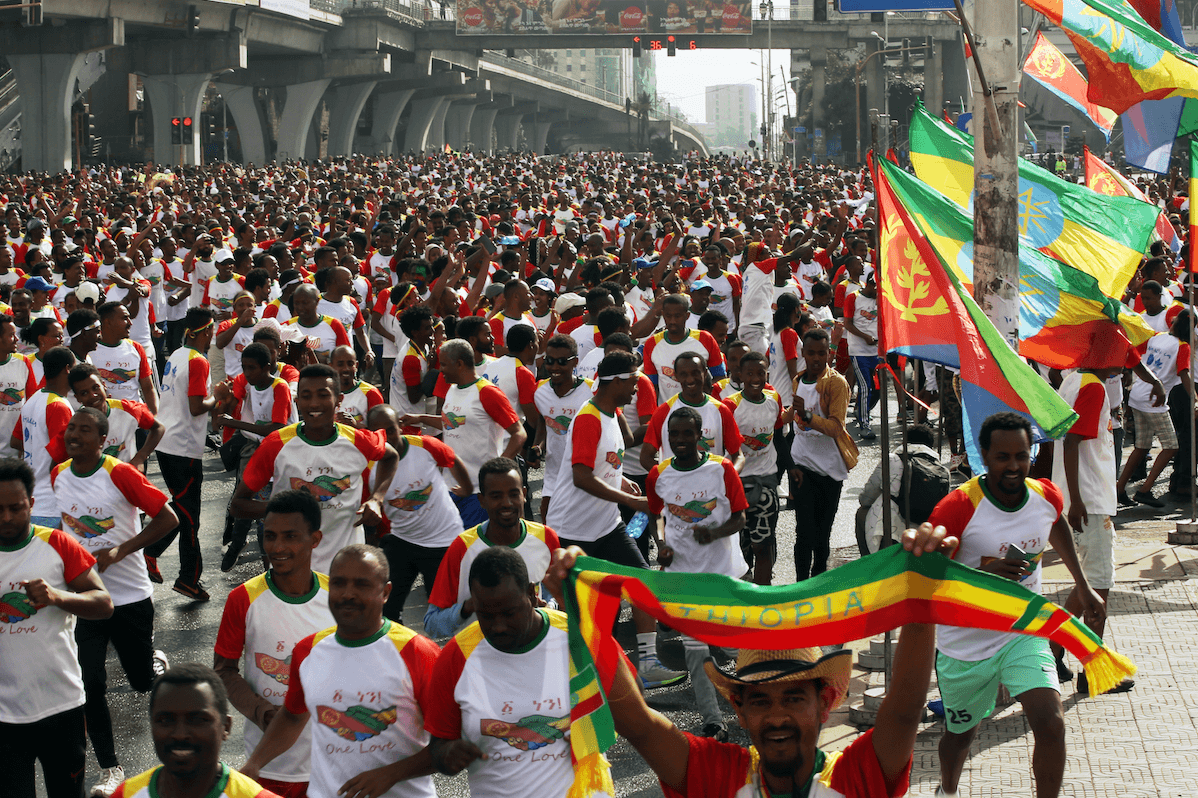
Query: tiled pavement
[{"x": 1132, "y": 745}]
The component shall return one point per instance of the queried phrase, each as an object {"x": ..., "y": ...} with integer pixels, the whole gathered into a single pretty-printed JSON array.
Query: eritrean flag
[
  {"x": 1046, "y": 65},
  {"x": 1105, "y": 179},
  {"x": 1104, "y": 236},
  {"x": 926, "y": 314},
  {"x": 871, "y": 595},
  {"x": 1126, "y": 60},
  {"x": 1062, "y": 310}
]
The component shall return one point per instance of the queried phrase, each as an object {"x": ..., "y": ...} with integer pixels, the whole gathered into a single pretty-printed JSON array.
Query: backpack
[{"x": 926, "y": 482}]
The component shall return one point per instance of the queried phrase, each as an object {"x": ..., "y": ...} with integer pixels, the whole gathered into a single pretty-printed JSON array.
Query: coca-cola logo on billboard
[
  {"x": 473, "y": 17},
  {"x": 632, "y": 17},
  {"x": 731, "y": 16}
]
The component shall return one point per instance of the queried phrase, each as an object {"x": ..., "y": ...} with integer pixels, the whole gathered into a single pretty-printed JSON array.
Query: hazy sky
[{"x": 682, "y": 80}]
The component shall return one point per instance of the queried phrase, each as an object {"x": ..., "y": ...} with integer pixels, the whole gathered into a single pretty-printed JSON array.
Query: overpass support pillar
[
  {"x": 46, "y": 85},
  {"x": 819, "y": 82},
  {"x": 176, "y": 95},
  {"x": 507, "y": 132},
  {"x": 348, "y": 102},
  {"x": 302, "y": 99},
  {"x": 244, "y": 109},
  {"x": 933, "y": 77},
  {"x": 540, "y": 137},
  {"x": 874, "y": 89},
  {"x": 457, "y": 125},
  {"x": 482, "y": 126},
  {"x": 424, "y": 112},
  {"x": 436, "y": 128},
  {"x": 387, "y": 108}
]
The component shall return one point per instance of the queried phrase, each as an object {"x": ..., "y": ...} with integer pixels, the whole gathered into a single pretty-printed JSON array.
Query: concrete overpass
[{"x": 383, "y": 78}]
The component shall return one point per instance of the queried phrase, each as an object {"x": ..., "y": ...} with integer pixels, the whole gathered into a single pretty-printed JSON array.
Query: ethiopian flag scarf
[{"x": 864, "y": 598}]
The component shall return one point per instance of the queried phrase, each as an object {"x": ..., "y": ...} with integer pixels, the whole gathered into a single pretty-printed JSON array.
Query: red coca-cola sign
[
  {"x": 473, "y": 17},
  {"x": 632, "y": 18},
  {"x": 731, "y": 16}
]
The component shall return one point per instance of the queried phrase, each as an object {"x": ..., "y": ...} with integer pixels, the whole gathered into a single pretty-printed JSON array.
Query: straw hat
[{"x": 756, "y": 666}]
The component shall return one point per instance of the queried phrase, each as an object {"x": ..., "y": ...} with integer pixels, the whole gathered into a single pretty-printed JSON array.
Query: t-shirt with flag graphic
[
  {"x": 125, "y": 418},
  {"x": 121, "y": 367},
  {"x": 243, "y": 337},
  {"x": 231, "y": 784},
  {"x": 986, "y": 529},
  {"x": 725, "y": 770},
  {"x": 386, "y": 310},
  {"x": 595, "y": 441},
  {"x": 535, "y": 546},
  {"x": 516, "y": 380},
  {"x": 660, "y": 353},
  {"x": 515, "y": 706},
  {"x": 418, "y": 505},
  {"x": 100, "y": 509},
  {"x": 558, "y": 412},
  {"x": 331, "y": 470},
  {"x": 707, "y": 493},
  {"x": 219, "y": 294},
  {"x": 366, "y": 699},
  {"x": 345, "y": 310},
  {"x": 1166, "y": 357},
  {"x": 324, "y": 336},
  {"x": 725, "y": 287},
  {"x": 474, "y": 422},
  {"x": 357, "y": 401},
  {"x": 16, "y": 382},
  {"x": 270, "y": 405},
  {"x": 186, "y": 374},
  {"x": 720, "y": 435},
  {"x": 44, "y": 419},
  {"x": 41, "y": 675},
  {"x": 264, "y": 624},
  {"x": 757, "y": 421}
]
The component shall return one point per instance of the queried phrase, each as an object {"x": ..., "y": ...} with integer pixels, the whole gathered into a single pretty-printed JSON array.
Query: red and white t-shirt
[
  {"x": 720, "y": 435},
  {"x": 219, "y": 294},
  {"x": 409, "y": 370},
  {"x": 784, "y": 347},
  {"x": 725, "y": 770},
  {"x": 757, "y": 422},
  {"x": 265, "y": 624},
  {"x": 660, "y": 353},
  {"x": 1166, "y": 357},
  {"x": 558, "y": 412},
  {"x": 243, "y": 337},
  {"x": 535, "y": 546},
  {"x": 638, "y": 412},
  {"x": 595, "y": 441},
  {"x": 501, "y": 323},
  {"x": 100, "y": 508},
  {"x": 230, "y": 784},
  {"x": 1087, "y": 395},
  {"x": 346, "y": 311},
  {"x": 515, "y": 379},
  {"x": 357, "y": 401},
  {"x": 122, "y": 368},
  {"x": 16, "y": 382},
  {"x": 41, "y": 675},
  {"x": 125, "y": 418},
  {"x": 862, "y": 312},
  {"x": 324, "y": 336},
  {"x": 186, "y": 374},
  {"x": 474, "y": 421},
  {"x": 515, "y": 706},
  {"x": 366, "y": 699},
  {"x": 331, "y": 470},
  {"x": 708, "y": 493},
  {"x": 418, "y": 504},
  {"x": 986, "y": 528},
  {"x": 270, "y": 405},
  {"x": 44, "y": 419}
]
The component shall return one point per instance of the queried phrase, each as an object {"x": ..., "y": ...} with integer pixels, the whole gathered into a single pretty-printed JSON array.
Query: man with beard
[
  {"x": 366, "y": 680},
  {"x": 189, "y": 721},
  {"x": 782, "y": 699}
]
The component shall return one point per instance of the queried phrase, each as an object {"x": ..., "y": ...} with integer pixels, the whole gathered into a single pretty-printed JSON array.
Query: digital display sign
[{"x": 598, "y": 17}]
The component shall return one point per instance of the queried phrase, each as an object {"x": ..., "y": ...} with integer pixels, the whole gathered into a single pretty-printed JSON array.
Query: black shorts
[{"x": 615, "y": 547}]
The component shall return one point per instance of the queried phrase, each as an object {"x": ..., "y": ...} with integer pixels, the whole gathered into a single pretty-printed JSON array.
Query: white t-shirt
[
  {"x": 707, "y": 493},
  {"x": 811, "y": 448},
  {"x": 594, "y": 440},
  {"x": 1087, "y": 395},
  {"x": 757, "y": 422},
  {"x": 559, "y": 412},
  {"x": 1166, "y": 358},
  {"x": 418, "y": 503},
  {"x": 186, "y": 374}
]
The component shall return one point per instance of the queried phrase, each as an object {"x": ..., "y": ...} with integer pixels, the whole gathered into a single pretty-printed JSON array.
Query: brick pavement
[{"x": 1142, "y": 743}]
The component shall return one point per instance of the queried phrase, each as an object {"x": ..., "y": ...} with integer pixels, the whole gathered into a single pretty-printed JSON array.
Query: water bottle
[{"x": 636, "y": 525}]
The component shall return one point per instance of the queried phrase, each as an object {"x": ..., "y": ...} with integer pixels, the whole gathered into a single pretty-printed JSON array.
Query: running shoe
[
  {"x": 193, "y": 592},
  {"x": 110, "y": 779},
  {"x": 654, "y": 674}
]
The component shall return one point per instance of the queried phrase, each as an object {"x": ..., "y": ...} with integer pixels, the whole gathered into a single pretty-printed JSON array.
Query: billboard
[
  {"x": 874, "y": 6},
  {"x": 552, "y": 17}
]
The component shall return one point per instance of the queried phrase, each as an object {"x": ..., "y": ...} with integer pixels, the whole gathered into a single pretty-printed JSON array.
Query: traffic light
[
  {"x": 193, "y": 19},
  {"x": 671, "y": 46},
  {"x": 820, "y": 11},
  {"x": 176, "y": 130},
  {"x": 636, "y": 46},
  {"x": 89, "y": 130},
  {"x": 209, "y": 127},
  {"x": 185, "y": 136}
]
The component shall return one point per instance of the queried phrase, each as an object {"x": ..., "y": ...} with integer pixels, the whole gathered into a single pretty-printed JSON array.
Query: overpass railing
[{"x": 415, "y": 12}]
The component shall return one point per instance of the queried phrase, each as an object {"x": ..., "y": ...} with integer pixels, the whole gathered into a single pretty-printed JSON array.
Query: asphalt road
[{"x": 186, "y": 631}]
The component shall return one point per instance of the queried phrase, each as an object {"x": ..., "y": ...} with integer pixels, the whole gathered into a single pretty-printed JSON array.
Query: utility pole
[{"x": 995, "y": 162}]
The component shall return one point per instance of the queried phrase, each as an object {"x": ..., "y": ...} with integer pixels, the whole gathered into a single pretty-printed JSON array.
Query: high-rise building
[
  {"x": 732, "y": 114},
  {"x": 606, "y": 68}
]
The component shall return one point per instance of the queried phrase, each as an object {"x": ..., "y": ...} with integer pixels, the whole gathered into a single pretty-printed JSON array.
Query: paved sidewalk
[{"x": 1141, "y": 743}]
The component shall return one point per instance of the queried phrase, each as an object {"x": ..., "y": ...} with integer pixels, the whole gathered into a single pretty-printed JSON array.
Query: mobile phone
[
  {"x": 1015, "y": 553},
  {"x": 487, "y": 244}
]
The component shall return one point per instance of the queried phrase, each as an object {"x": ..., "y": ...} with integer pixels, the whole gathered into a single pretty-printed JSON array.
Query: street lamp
[
  {"x": 885, "y": 77},
  {"x": 861, "y": 66},
  {"x": 767, "y": 13}
]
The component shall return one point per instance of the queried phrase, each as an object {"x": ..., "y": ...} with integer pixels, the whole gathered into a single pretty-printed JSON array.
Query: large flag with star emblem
[
  {"x": 1049, "y": 67},
  {"x": 926, "y": 314},
  {"x": 1105, "y": 179},
  {"x": 1062, "y": 310},
  {"x": 1104, "y": 236}
]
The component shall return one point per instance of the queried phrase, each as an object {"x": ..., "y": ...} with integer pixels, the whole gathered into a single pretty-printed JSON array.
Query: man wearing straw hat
[{"x": 782, "y": 699}]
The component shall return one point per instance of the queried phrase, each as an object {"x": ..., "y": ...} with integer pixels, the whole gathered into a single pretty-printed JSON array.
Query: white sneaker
[
  {"x": 940, "y": 793},
  {"x": 159, "y": 662},
  {"x": 654, "y": 674},
  {"x": 110, "y": 779}
]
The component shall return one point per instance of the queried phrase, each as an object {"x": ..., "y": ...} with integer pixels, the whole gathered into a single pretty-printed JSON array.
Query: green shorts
[{"x": 969, "y": 689}]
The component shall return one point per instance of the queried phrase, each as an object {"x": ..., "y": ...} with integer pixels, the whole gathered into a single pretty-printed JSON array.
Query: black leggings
[
  {"x": 406, "y": 561},
  {"x": 183, "y": 477},
  {"x": 58, "y": 742},
  {"x": 815, "y": 510}
]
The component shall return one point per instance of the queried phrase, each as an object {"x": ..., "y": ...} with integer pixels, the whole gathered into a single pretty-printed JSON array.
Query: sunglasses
[{"x": 559, "y": 361}]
